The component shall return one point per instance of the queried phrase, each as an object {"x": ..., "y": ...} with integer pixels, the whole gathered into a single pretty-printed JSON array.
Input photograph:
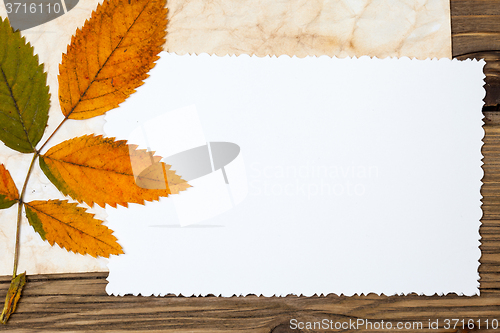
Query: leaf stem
[
  {"x": 21, "y": 198},
  {"x": 53, "y": 133},
  {"x": 20, "y": 213}
]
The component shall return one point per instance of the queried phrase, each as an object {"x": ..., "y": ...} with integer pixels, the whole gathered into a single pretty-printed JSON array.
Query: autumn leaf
[
  {"x": 159, "y": 176},
  {"x": 110, "y": 56},
  {"x": 8, "y": 190},
  {"x": 24, "y": 95},
  {"x": 94, "y": 169},
  {"x": 71, "y": 227},
  {"x": 13, "y": 295}
]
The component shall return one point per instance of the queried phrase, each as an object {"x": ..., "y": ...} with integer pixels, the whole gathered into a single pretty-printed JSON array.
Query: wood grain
[
  {"x": 78, "y": 302},
  {"x": 475, "y": 26}
]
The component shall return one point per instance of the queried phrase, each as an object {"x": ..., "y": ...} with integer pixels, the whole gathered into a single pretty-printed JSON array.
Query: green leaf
[
  {"x": 24, "y": 94},
  {"x": 35, "y": 222},
  {"x": 71, "y": 227}
]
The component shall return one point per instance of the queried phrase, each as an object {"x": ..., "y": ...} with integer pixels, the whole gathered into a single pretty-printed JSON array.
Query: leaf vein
[
  {"x": 69, "y": 225},
  {"x": 104, "y": 64}
]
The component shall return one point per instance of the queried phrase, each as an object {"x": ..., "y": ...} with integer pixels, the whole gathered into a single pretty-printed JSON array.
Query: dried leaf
[
  {"x": 24, "y": 94},
  {"x": 13, "y": 295},
  {"x": 71, "y": 227},
  {"x": 8, "y": 190},
  {"x": 93, "y": 169},
  {"x": 110, "y": 56},
  {"x": 159, "y": 176}
]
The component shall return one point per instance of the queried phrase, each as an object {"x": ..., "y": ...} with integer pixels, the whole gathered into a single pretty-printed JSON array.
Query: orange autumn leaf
[
  {"x": 94, "y": 169},
  {"x": 110, "y": 56},
  {"x": 71, "y": 227},
  {"x": 154, "y": 176},
  {"x": 8, "y": 190}
]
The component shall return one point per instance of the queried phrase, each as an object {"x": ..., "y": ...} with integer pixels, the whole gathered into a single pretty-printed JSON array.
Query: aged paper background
[{"x": 381, "y": 28}]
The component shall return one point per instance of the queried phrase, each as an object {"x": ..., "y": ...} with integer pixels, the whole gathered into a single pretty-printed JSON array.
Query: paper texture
[
  {"x": 378, "y": 28},
  {"x": 381, "y": 28},
  {"x": 309, "y": 176},
  {"x": 412, "y": 28}
]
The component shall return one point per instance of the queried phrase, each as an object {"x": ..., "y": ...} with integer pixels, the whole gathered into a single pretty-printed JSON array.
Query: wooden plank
[
  {"x": 475, "y": 27},
  {"x": 79, "y": 303},
  {"x": 491, "y": 180},
  {"x": 484, "y": 23},
  {"x": 469, "y": 42},
  {"x": 490, "y": 228},
  {"x": 475, "y": 7}
]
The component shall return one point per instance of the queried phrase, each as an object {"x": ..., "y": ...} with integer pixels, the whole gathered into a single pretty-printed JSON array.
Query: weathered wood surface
[
  {"x": 475, "y": 26},
  {"x": 78, "y": 302}
]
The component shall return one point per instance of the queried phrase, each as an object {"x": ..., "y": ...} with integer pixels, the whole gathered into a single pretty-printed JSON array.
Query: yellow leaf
[
  {"x": 71, "y": 227},
  {"x": 8, "y": 190},
  {"x": 94, "y": 169},
  {"x": 110, "y": 56},
  {"x": 13, "y": 295}
]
